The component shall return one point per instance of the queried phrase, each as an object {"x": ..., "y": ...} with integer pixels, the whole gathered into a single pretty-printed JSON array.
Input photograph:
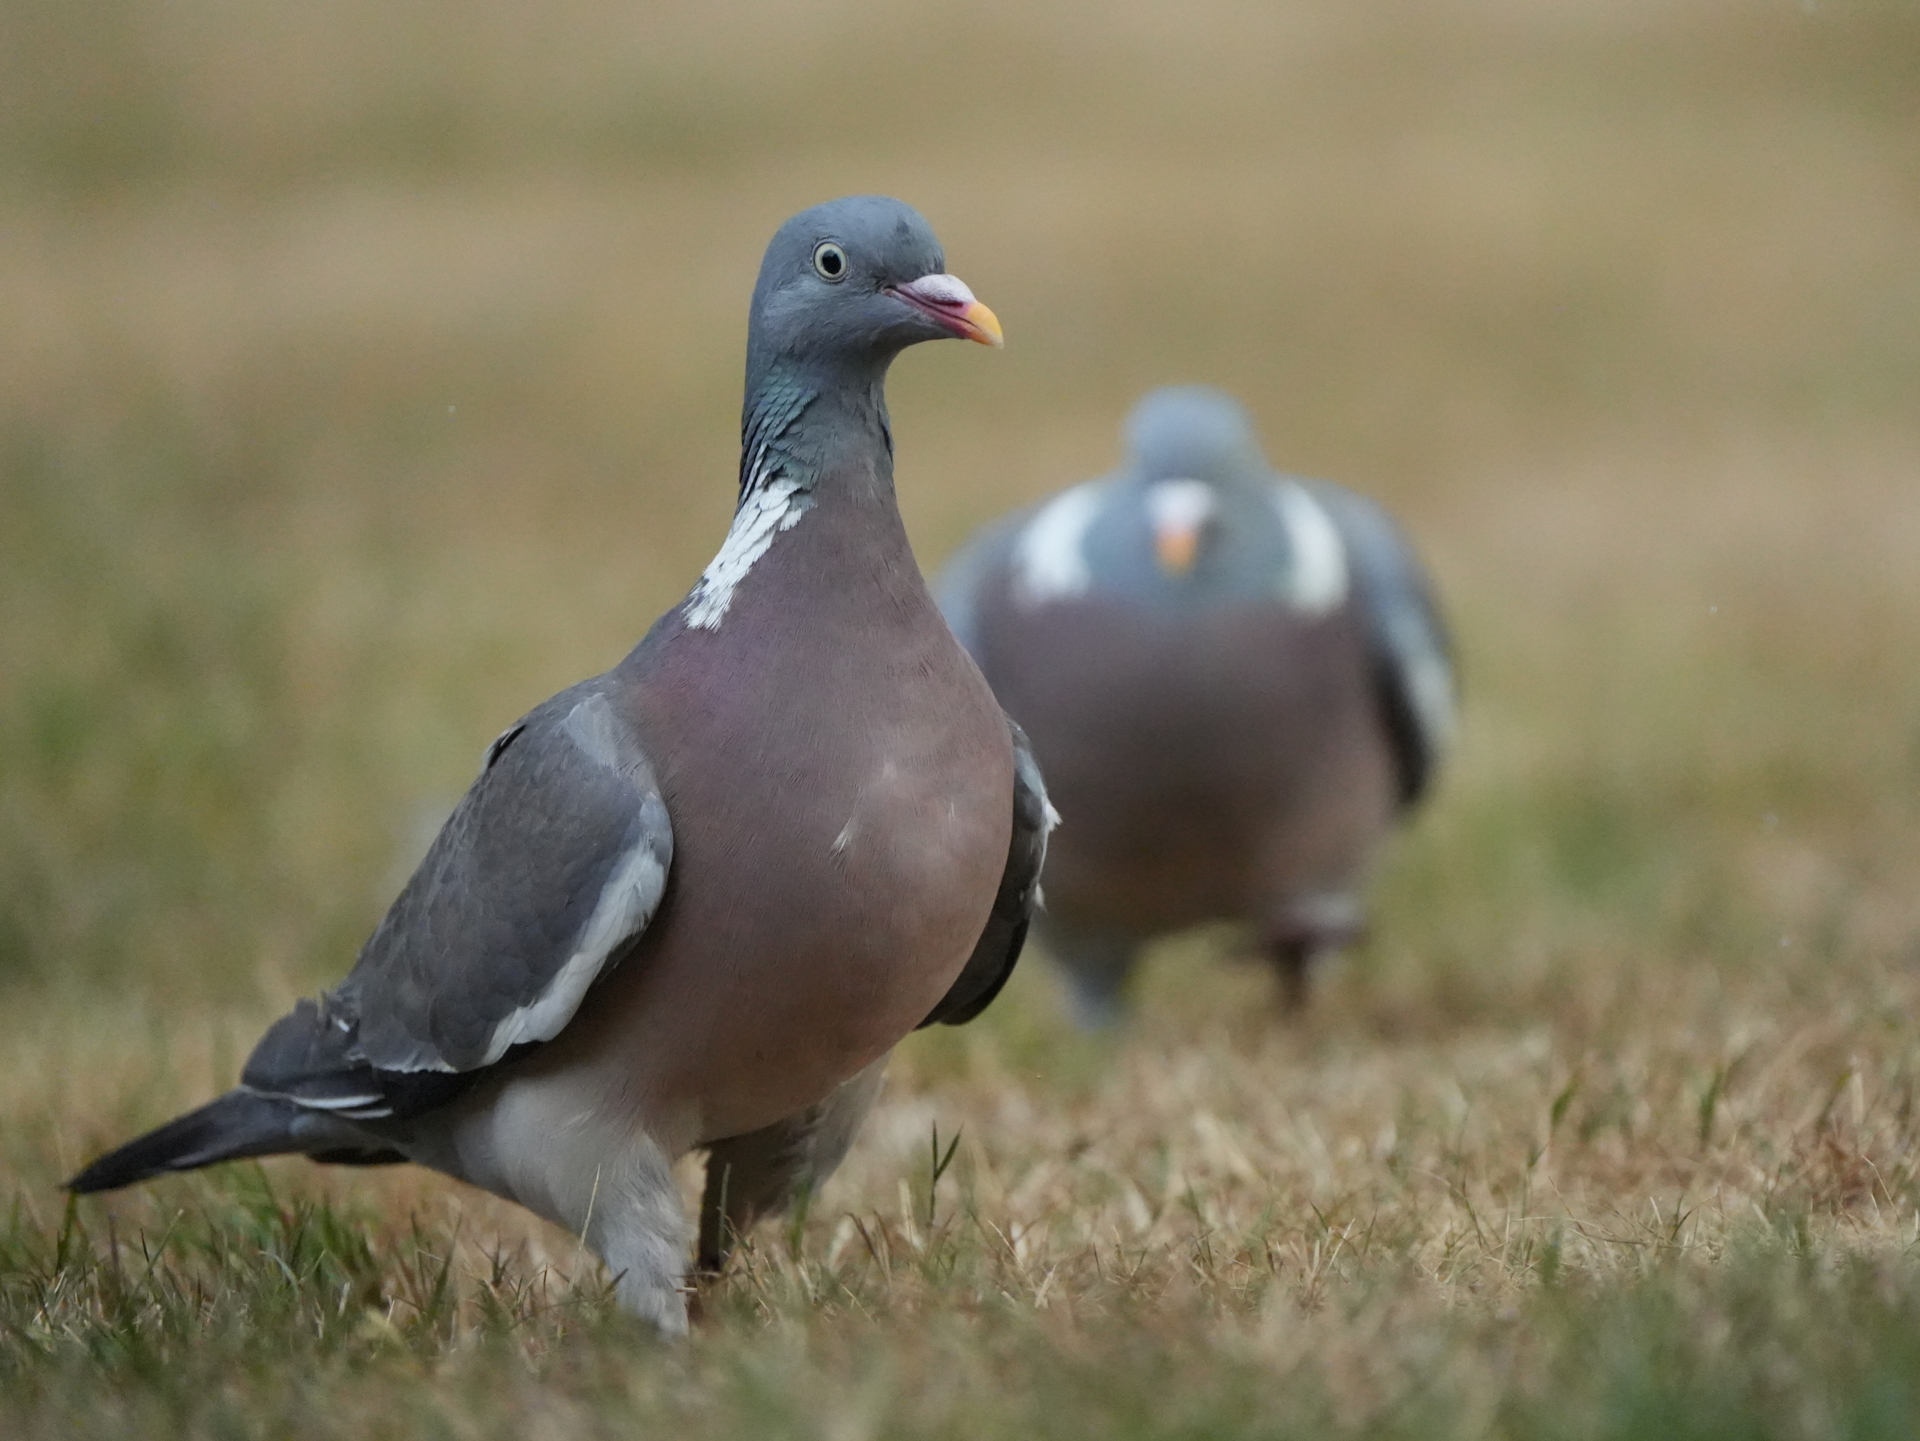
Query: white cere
[
  {"x": 1180, "y": 504},
  {"x": 942, "y": 289}
]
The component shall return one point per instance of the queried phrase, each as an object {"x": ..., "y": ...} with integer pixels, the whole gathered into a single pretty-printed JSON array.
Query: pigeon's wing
[
  {"x": 543, "y": 878},
  {"x": 1000, "y": 943},
  {"x": 1412, "y": 651}
]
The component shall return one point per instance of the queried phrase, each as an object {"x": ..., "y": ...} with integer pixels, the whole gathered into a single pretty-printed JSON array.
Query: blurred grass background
[{"x": 367, "y": 374}]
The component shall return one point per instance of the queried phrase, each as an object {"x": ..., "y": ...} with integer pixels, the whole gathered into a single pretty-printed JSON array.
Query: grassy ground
[{"x": 367, "y": 376}]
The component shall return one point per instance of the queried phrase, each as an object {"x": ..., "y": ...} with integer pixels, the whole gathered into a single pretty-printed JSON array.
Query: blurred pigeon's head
[
  {"x": 855, "y": 281},
  {"x": 1193, "y": 449},
  {"x": 1192, "y": 432}
]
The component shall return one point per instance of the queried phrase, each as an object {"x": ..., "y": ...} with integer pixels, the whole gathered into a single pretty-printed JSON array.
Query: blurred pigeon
[
  {"x": 692, "y": 903},
  {"x": 1234, "y": 681}
]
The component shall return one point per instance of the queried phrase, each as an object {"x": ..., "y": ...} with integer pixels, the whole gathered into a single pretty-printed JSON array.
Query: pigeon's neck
[
  {"x": 809, "y": 426},
  {"x": 806, "y": 437}
]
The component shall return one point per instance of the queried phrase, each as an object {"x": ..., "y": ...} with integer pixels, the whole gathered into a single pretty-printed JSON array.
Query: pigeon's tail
[{"x": 239, "y": 1124}]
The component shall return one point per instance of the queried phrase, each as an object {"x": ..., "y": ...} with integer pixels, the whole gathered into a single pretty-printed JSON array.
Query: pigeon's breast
[{"x": 841, "y": 810}]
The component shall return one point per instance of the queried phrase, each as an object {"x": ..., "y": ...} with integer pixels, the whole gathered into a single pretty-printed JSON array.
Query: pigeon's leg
[
  {"x": 550, "y": 1143},
  {"x": 763, "y": 1172},
  {"x": 1304, "y": 933},
  {"x": 1293, "y": 963},
  {"x": 636, "y": 1225},
  {"x": 1096, "y": 968}
]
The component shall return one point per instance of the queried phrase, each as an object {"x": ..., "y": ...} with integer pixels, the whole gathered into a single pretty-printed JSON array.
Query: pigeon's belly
[
  {"x": 1207, "y": 767},
  {"x": 858, "y": 912}
]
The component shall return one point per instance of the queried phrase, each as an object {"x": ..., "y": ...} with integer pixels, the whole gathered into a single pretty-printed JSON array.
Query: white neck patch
[
  {"x": 1316, "y": 581},
  {"x": 1048, "y": 560},
  {"x": 771, "y": 507}
]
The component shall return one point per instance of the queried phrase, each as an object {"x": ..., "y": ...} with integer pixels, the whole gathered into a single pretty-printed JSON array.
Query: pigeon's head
[
  {"x": 1193, "y": 451},
  {"x": 856, "y": 281},
  {"x": 1193, "y": 432}
]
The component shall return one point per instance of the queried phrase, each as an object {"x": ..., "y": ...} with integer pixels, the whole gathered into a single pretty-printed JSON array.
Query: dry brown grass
[{"x": 366, "y": 377}]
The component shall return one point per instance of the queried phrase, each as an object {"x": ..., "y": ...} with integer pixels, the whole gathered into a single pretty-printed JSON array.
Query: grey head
[
  {"x": 1193, "y": 431},
  {"x": 848, "y": 285},
  {"x": 1192, "y": 516},
  {"x": 844, "y": 288}
]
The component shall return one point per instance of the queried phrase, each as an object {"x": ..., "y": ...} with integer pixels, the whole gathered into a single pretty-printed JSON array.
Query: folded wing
[{"x": 542, "y": 880}]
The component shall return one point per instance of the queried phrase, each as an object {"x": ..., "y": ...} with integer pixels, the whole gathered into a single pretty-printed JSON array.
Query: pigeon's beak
[
  {"x": 948, "y": 301},
  {"x": 1179, "y": 511},
  {"x": 1175, "y": 544}
]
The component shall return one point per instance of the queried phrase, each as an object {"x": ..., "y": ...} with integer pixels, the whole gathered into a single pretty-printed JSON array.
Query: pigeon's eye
[{"x": 829, "y": 261}]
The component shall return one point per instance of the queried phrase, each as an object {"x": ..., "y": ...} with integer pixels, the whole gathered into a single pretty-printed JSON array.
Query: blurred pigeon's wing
[
  {"x": 542, "y": 879},
  {"x": 1413, "y": 653},
  {"x": 957, "y": 588},
  {"x": 1005, "y": 936}
]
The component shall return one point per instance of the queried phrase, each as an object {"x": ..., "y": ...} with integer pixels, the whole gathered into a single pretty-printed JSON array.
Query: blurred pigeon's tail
[{"x": 239, "y": 1124}]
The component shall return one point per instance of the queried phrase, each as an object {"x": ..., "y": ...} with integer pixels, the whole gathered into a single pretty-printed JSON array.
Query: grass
[{"x": 368, "y": 378}]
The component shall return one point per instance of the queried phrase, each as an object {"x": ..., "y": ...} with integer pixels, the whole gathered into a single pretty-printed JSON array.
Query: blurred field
[{"x": 367, "y": 373}]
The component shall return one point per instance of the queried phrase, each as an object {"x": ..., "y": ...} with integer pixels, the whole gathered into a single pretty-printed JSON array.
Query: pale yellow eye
[{"x": 829, "y": 262}]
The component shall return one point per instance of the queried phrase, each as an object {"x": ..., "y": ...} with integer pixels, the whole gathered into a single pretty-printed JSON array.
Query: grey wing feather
[
  {"x": 1000, "y": 944},
  {"x": 544, "y": 876},
  {"x": 1412, "y": 649}
]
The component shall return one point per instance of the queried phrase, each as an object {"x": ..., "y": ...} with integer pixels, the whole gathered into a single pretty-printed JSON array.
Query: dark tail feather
[{"x": 237, "y": 1125}]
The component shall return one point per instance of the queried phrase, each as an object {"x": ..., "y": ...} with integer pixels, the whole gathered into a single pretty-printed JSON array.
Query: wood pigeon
[
  {"x": 1234, "y": 680},
  {"x": 692, "y": 903}
]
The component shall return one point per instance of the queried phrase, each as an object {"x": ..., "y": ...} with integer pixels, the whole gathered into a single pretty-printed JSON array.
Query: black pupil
[{"x": 830, "y": 262}]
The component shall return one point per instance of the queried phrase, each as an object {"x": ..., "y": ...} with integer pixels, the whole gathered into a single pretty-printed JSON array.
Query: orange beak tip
[
  {"x": 984, "y": 325},
  {"x": 1176, "y": 548}
]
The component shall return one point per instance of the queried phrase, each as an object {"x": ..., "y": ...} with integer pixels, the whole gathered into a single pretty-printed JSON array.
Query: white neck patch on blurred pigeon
[
  {"x": 1048, "y": 557},
  {"x": 1316, "y": 580}
]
